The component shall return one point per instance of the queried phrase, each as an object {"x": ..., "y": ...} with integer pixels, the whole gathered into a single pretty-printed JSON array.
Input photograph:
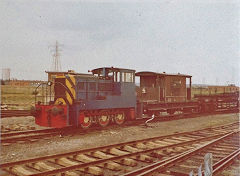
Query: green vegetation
[
  {"x": 209, "y": 91},
  {"x": 200, "y": 91},
  {"x": 21, "y": 96}
]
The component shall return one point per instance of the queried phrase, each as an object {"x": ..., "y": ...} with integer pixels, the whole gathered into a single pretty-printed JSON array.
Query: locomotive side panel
[
  {"x": 119, "y": 96},
  {"x": 108, "y": 96}
]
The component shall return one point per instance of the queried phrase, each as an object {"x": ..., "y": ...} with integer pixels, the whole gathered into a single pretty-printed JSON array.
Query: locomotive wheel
[
  {"x": 87, "y": 122},
  {"x": 103, "y": 119},
  {"x": 119, "y": 118}
]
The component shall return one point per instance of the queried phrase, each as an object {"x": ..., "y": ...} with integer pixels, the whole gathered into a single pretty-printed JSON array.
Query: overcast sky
[{"x": 197, "y": 38}]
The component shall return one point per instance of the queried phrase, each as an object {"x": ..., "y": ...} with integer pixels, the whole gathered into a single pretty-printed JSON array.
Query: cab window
[{"x": 127, "y": 77}]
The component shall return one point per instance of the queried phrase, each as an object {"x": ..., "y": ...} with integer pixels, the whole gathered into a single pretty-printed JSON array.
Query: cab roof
[
  {"x": 148, "y": 73},
  {"x": 112, "y": 69},
  {"x": 70, "y": 72}
]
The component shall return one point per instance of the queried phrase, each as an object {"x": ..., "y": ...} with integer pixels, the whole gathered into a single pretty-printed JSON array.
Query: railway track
[
  {"x": 15, "y": 113},
  {"x": 127, "y": 123},
  {"x": 20, "y": 113},
  {"x": 230, "y": 166},
  {"x": 185, "y": 116},
  {"x": 34, "y": 135},
  {"x": 117, "y": 159},
  {"x": 21, "y": 135},
  {"x": 30, "y": 135},
  {"x": 224, "y": 150}
]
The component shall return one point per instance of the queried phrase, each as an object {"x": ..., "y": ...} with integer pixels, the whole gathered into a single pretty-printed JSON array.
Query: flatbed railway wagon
[{"x": 218, "y": 102}]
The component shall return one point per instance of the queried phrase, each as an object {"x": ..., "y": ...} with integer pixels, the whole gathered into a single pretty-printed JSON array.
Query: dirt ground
[
  {"x": 59, "y": 144},
  {"x": 27, "y": 122}
]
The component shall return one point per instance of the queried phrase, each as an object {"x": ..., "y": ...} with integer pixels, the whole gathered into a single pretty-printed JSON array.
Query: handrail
[{"x": 48, "y": 84}]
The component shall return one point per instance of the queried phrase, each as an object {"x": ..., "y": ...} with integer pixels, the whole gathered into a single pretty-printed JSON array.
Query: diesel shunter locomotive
[{"x": 109, "y": 95}]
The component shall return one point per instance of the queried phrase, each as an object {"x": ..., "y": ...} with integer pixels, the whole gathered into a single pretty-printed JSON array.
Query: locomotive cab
[{"x": 115, "y": 74}]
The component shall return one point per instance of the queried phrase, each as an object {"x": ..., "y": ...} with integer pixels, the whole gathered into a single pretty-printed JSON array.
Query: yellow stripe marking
[
  {"x": 72, "y": 90},
  {"x": 73, "y": 79},
  {"x": 69, "y": 98},
  {"x": 60, "y": 76},
  {"x": 74, "y": 83},
  {"x": 60, "y": 100}
]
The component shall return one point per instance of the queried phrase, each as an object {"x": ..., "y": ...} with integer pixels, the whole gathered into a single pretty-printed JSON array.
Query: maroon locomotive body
[{"x": 161, "y": 92}]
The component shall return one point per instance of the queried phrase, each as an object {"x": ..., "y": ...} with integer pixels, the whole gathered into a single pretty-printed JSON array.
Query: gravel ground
[
  {"x": 15, "y": 124},
  {"x": 111, "y": 135}
]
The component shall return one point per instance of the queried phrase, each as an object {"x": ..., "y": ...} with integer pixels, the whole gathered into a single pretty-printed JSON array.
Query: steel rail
[
  {"x": 17, "y": 113},
  {"x": 35, "y": 134},
  {"x": 31, "y": 134},
  {"x": 206, "y": 131},
  {"x": 28, "y": 132},
  {"x": 137, "y": 141},
  {"x": 68, "y": 130},
  {"x": 101, "y": 160},
  {"x": 164, "y": 163},
  {"x": 217, "y": 167},
  {"x": 21, "y": 113},
  {"x": 116, "y": 158},
  {"x": 27, "y": 138},
  {"x": 101, "y": 148}
]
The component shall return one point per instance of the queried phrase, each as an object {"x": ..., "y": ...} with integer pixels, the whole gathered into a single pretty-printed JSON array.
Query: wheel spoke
[
  {"x": 87, "y": 122},
  {"x": 103, "y": 119},
  {"x": 119, "y": 118}
]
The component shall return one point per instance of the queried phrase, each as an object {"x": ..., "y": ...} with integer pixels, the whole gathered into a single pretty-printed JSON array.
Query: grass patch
[{"x": 22, "y": 96}]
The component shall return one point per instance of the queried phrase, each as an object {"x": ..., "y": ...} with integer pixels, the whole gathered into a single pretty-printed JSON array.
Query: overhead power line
[{"x": 56, "y": 63}]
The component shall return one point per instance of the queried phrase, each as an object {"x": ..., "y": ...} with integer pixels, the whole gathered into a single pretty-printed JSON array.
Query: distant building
[
  {"x": 6, "y": 74},
  {"x": 23, "y": 82}
]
